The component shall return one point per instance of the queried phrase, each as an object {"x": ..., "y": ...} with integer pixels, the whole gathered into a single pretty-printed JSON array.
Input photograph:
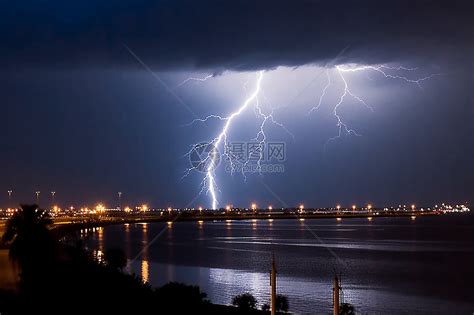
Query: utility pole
[
  {"x": 273, "y": 281},
  {"x": 335, "y": 295}
]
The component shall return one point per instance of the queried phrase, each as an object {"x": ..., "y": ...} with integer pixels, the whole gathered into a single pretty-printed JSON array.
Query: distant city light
[{"x": 100, "y": 208}]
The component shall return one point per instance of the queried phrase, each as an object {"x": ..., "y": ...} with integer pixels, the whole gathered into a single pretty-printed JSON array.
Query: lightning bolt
[
  {"x": 203, "y": 79},
  {"x": 222, "y": 137},
  {"x": 342, "y": 127},
  {"x": 221, "y": 140}
]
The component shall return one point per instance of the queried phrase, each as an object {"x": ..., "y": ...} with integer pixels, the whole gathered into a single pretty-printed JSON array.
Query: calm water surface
[{"x": 388, "y": 265}]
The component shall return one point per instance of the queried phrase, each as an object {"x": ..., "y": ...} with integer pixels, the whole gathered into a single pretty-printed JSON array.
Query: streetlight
[
  {"x": 169, "y": 211},
  {"x": 9, "y": 197},
  {"x": 413, "y": 207},
  {"x": 144, "y": 208},
  {"x": 301, "y": 208},
  {"x": 120, "y": 200},
  {"x": 37, "y": 196},
  {"x": 200, "y": 210},
  {"x": 227, "y": 208},
  {"x": 338, "y": 207},
  {"x": 353, "y": 208},
  {"x": 369, "y": 207},
  {"x": 52, "y": 197},
  {"x": 254, "y": 206},
  {"x": 270, "y": 208}
]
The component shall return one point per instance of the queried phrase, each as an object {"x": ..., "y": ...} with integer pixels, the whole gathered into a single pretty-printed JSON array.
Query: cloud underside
[{"x": 222, "y": 35}]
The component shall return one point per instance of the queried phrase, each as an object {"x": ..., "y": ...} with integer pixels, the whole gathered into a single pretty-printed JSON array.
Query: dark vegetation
[{"x": 58, "y": 276}]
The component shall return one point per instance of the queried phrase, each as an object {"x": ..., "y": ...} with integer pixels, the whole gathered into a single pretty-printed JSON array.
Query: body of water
[{"x": 387, "y": 265}]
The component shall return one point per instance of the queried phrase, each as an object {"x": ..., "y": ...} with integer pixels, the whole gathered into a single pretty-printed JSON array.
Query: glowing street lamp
[
  {"x": 270, "y": 208},
  {"x": 254, "y": 206},
  {"x": 119, "y": 194},
  {"x": 52, "y": 197},
  {"x": 413, "y": 207},
  {"x": 227, "y": 208},
  {"x": 200, "y": 210},
  {"x": 353, "y": 208},
  {"x": 10, "y": 192},
  {"x": 169, "y": 211},
  {"x": 144, "y": 208},
  {"x": 369, "y": 207},
  {"x": 301, "y": 208},
  {"x": 37, "y": 196},
  {"x": 338, "y": 207}
]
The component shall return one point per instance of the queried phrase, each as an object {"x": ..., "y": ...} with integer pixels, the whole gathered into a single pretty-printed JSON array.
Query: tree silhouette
[
  {"x": 245, "y": 301},
  {"x": 179, "y": 298},
  {"x": 282, "y": 304},
  {"x": 347, "y": 309},
  {"x": 115, "y": 258},
  {"x": 31, "y": 243}
]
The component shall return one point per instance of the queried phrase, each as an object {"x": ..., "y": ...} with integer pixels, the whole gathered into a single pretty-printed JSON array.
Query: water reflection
[
  {"x": 145, "y": 257},
  {"x": 100, "y": 236},
  {"x": 98, "y": 254},
  {"x": 128, "y": 245},
  {"x": 230, "y": 258}
]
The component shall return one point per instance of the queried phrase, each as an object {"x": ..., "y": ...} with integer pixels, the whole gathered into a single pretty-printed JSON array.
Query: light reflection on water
[
  {"x": 393, "y": 264},
  {"x": 145, "y": 265}
]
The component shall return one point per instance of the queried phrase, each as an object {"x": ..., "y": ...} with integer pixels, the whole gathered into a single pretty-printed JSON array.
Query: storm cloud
[{"x": 237, "y": 35}]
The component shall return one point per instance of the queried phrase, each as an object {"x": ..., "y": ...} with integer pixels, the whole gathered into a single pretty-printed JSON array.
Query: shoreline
[{"x": 62, "y": 228}]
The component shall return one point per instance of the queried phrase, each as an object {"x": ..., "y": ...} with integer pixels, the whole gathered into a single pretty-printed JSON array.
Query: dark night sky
[{"x": 82, "y": 117}]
